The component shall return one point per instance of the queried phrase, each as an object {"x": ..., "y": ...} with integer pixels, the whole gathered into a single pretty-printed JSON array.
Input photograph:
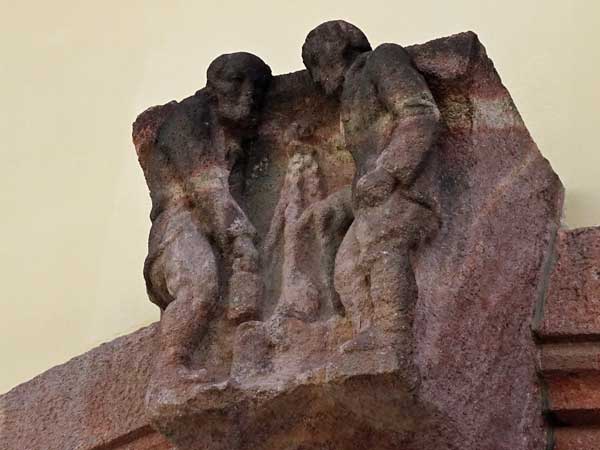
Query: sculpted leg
[
  {"x": 234, "y": 237},
  {"x": 191, "y": 280},
  {"x": 351, "y": 283},
  {"x": 386, "y": 233},
  {"x": 332, "y": 219},
  {"x": 394, "y": 294}
]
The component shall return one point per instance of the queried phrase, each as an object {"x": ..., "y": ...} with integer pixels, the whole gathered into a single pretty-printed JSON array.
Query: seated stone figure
[
  {"x": 389, "y": 120},
  {"x": 201, "y": 245}
]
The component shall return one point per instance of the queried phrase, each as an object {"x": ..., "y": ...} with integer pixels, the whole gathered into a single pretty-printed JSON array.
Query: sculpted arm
[
  {"x": 235, "y": 236},
  {"x": 205, "y": 174},
  {"x": 224, "y": 217},
  {"x": 405, "y": 94}
]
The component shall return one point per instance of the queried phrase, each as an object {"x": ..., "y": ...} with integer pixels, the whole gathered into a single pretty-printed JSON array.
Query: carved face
[
  {"x": 328, "y": 69},
  {"x": 239, "y": 82},
  {"x": 329, "y": 51}
]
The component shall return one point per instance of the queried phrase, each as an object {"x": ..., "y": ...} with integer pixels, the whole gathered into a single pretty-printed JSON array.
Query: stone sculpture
[
  {"x": 299, "y": 246},
  {"x": 310, "y": 226},
  {"x": 200, "y": 236},
  {"x": 202, "y": 244},
  {"x": 347, "y": 257},
  {"x": 390, "y": 122},
  {"x": 313, "y": 232}
]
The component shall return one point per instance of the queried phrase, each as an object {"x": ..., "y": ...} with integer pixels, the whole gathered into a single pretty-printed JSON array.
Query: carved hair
[
  {"x": 240, "y": 63},
  {"x": 336, "y": 33}
]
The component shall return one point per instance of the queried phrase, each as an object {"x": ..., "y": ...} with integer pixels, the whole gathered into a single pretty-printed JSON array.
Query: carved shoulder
[{"x": 147, "y": 125}]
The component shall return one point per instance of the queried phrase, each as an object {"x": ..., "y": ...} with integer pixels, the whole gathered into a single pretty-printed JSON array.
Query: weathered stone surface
[
  {"x": 576, "y": 439},
  {"x": 480, "y": 277},
  {"x": 572, "y": 305},
  {"x": 94, "y": 401},
  {"x": 574, "y": 399},
  {"x": 570, "y": 357},
  {"x": 497, "y": 204}
]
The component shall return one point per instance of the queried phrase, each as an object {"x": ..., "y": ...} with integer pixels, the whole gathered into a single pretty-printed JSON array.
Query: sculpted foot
[
  {"x": 180, "y": 374},
  {"x": 187, "y": 375},
  {"x": 170, "y": 387},
  {"x": 176, "y": 372},
  {"x": 365, "y": 340}
]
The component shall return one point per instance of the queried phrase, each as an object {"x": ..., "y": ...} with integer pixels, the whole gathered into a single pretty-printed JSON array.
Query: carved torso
[
  {"x": 380, "y": 90},
  {"x": 366, "y": 122}
]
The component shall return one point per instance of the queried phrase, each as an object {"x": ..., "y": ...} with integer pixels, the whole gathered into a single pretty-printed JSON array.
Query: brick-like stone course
[{"x": 569, "y": 334}]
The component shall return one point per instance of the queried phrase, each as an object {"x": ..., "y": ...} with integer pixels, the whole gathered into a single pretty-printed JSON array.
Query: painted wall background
[{"x": 74, "y": 75}]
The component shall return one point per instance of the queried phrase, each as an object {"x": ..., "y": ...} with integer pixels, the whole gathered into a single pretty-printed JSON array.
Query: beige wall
[{"x": 74, "y": 74}]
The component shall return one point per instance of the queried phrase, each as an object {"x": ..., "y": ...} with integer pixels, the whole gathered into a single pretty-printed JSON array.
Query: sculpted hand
[
  {"x": 245, "y": 285},
  {"x": 244, "y": 253},
  {"x": 375, "y": 186}
]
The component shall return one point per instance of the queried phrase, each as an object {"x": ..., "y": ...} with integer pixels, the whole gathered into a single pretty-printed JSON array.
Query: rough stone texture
[
  {"x": 573, "y": 399},
  {"x": 463, "y": 376},
  {"x": 479, "y": 278},
  {"x": 568, "y": 328},
  {"x": 94, "y": 401},
  {"x": 572, "y": 306},
  {"x": 576, "y": 439},
  {"x": 201, "y": 248},
  {"x": 570, "y": 357}
]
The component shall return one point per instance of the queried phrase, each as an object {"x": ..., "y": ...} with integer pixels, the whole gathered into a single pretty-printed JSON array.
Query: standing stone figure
[
  {"x": 389, "y": 120},
  {"x": 201, "y": 245}
]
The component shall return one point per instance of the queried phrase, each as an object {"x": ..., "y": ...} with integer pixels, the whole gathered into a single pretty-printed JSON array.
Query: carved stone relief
[{"x": 328, "y": 248}]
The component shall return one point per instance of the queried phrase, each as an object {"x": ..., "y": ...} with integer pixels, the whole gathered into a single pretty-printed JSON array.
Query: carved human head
[
  {"x": 329, "y": 50},
  {"x": 239, "y": 82}
]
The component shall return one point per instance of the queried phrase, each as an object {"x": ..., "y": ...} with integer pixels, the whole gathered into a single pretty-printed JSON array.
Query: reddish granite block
[
  {"x": 569, "y": 329},
  {"x": 94, "y": 401},
  {"x": 570, "y": 357},
  {"x": 572, "y": 307},
  {"x": 574, "y": 399},
  {"x": 577, "y": 439}
]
